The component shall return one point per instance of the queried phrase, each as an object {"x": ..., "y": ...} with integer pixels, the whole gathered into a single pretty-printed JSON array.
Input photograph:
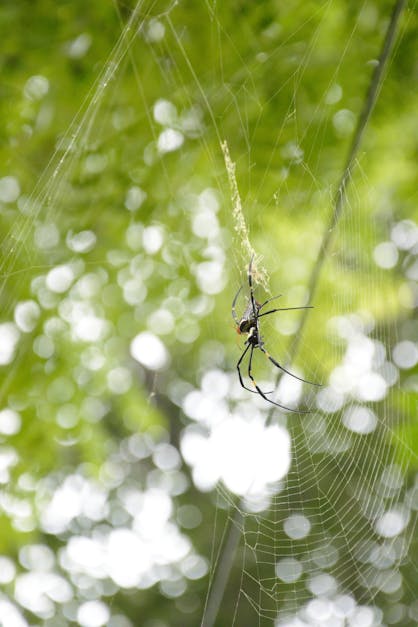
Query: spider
[{"x": 249, "y": 324}]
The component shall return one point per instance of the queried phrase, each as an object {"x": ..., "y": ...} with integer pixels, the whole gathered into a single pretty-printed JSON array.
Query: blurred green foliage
[{"x": 283, "y": 83}]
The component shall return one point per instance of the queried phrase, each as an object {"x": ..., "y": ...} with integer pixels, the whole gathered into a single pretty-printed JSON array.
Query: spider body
[{"x": 249, "y": 324}]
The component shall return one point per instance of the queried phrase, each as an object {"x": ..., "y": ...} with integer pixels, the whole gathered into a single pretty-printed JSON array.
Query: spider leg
[
  {"x": 239, "y": 371},
  {"x": 276, "y": 363},
  {"x": 234, "y": 313},
  {"x": 269, "y": 301},
  {"x": 250, "y": 283},
  {"x": 261, "y": 393},
  {"x": 283, "y": 309}
]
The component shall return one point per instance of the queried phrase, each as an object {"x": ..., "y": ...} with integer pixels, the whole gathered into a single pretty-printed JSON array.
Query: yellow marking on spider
[
  {"x": 254, "y": 383},
  {"x": 267, "y": 354}
]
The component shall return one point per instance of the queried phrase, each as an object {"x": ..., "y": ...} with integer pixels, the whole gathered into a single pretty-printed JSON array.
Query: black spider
[{"x": 249, "y": 324}]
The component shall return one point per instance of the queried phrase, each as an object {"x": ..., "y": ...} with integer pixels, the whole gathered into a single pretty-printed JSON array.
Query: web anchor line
[
  {"x": 341, "y": 193},
  {"x": 223, "y": 570},
  {"x": 233, "y": 533}
]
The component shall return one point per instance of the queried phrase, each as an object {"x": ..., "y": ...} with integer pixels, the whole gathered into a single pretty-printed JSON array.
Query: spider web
[{"x": 324, "y": 536}]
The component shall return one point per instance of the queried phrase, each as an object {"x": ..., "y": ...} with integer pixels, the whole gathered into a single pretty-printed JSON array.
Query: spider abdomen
[{"x": 245, "y": 325}]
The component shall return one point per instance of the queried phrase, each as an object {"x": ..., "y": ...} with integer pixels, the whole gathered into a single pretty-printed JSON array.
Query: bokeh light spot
[
  {"x": 93, "y": 614},
  {"x": 297, "y": 526},
  {"x": 60, "y": 278},
  {"x": 10, "y": 421},
  {"x": 289, "y": 569},
  {"x": 135, "y": 196},
  {"x": 360, "y": 419},
  {"x": 386, "y": 255},
  {"x": 9, "y": 337},
  {"x": 392, "y": 523},
  {"x": 149, "y": 351},
  {"x": 9, "y": 189},
  {"x": 36, "y": 87},
  {"x": 27, "y": 315},
  {"x": 405, "y": 354},
  {"x": 169, "y": 140}
]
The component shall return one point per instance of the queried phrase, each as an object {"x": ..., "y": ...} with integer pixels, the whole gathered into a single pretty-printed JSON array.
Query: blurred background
[{"x": 133, "y": 466}]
